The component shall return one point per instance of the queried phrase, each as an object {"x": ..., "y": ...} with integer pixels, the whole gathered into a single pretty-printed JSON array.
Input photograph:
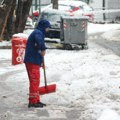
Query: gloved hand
[
  {"x": 43, "y": 66},
  {"x": 43, "y": 53}
]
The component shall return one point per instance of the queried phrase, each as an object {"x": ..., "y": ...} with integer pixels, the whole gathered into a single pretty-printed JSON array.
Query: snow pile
[
  {"x": 29, "y": 22},
  {"x": 5, "y": 43},
  {"x": 28, "y": 31},
  {"x": 97, "y": 28},
  {"x": 109, "y": 115},
  {"x": 20, "y": 35},
  {"x": 5, "y": 54},
  {"x": 113, "y": 35}
]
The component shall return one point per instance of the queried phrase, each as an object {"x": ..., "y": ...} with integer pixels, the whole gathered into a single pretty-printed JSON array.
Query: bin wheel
[
  {"x": 67, "y": 47},
  {"x": 84, "y": 47}
]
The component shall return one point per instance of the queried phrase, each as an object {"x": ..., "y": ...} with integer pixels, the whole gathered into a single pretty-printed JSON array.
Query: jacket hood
[{"x": 42, "y": 25}]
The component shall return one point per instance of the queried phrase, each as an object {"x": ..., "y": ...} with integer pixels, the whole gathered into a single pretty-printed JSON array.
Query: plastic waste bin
[
  {"x": 74, "y": 31},
  {"x": 18, "y": 50}
]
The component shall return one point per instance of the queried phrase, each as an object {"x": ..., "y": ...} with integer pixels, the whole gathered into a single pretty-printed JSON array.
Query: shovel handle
[{"x": 45, "y": 79}]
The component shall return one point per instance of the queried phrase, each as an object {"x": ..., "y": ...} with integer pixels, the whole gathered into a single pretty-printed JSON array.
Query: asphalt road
[{"x": 111, "y": 45}]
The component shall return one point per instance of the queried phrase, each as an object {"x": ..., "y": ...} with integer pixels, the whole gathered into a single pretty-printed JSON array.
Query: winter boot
[
  {"x": 42, "y": 103},
  {"x": 36, "y": 105}
]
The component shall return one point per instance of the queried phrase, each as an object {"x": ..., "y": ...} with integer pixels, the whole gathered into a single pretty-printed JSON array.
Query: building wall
[
  {"x": 113, "y": 4},
  {"x": 109, "y": 4},
  {"x": 43, "y": 2},
  {"x": 97, "y": 5}
]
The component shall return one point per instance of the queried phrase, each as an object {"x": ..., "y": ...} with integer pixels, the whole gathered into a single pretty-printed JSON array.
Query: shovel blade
[{"x": 47, "y": 89}]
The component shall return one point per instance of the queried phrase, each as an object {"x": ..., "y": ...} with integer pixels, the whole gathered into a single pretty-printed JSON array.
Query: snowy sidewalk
[
  {"x": 87, "y": 83},
  {"x": 5, "y": 45},
  {"x": 87, "y": 86}
]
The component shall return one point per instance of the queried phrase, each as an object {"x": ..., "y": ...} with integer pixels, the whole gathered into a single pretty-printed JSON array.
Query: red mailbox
[{"x": 18, "y": 50}]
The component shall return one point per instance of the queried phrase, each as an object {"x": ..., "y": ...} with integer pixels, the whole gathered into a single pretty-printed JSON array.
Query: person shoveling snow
[{"x": 35, "y": 51}]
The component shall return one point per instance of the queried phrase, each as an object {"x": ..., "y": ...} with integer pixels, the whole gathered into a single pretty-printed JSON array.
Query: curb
[{"x": 5, "y": 47}]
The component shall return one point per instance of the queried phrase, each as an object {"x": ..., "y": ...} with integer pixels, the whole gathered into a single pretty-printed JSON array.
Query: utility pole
[
  {"x": 36, "y": 5},
  {"x": 104, "y": 16},
  {"x": 55, "y": 4},
  {"x": 39, "y": 6}
]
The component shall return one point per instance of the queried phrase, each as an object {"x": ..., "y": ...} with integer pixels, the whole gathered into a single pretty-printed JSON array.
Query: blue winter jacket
[{"x": 35, "y": 44}]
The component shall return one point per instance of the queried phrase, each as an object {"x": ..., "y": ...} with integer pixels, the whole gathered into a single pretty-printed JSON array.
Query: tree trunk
[
  {"x": 22, "y": 14},
  {"x": 4, "y": 14},
  {"x": 55, "y": 4},
  {"x": 18, "y": 16},
  {"x": 10, "y": 22}
]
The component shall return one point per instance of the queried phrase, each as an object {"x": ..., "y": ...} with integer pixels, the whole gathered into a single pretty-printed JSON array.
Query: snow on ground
[
  {"x": 96, "y": 28},
  {"x": 87, "y": 82},
  {"x": 113, "y": 35},
  {"x": 5, "y": 43},
  {"x": 21, "y": 35},
  {"x": 109, "y": 115}
]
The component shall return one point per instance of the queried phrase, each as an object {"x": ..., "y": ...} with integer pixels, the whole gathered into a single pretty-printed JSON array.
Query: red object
[
  {"x": 75, "y": 9},
  {"x": 90, "y": 16},
  {"x": 36, "y": 13},
  {"x": 47, "y": 89},
  {"x": 34, "y": 81},
  {"x": 84, "y": 24},
  {"x": 18, "y": 50}
]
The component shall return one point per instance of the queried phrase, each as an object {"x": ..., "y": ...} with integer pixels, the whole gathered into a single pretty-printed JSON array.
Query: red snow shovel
[{"x": 47, "y": 88}]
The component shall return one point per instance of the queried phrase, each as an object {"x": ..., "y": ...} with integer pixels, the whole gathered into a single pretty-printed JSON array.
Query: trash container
[
  {"x": 18, "y": 50},
  {"x": 74, "y": 32}
]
